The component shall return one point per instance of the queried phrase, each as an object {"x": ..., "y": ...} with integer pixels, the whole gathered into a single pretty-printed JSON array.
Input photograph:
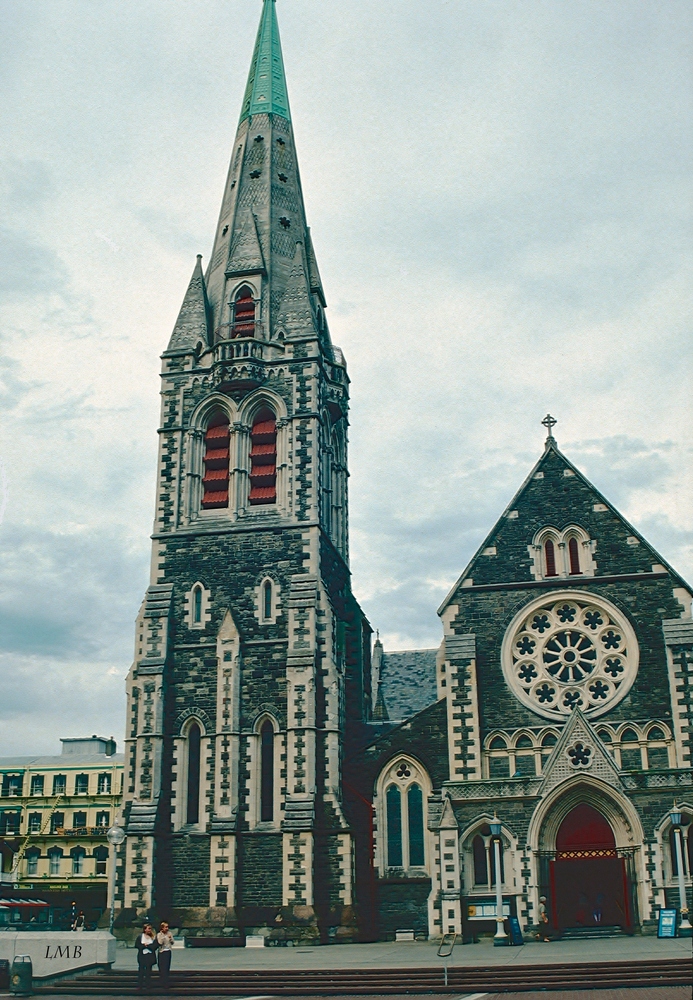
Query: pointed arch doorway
[{"x": 589, "y": 882}]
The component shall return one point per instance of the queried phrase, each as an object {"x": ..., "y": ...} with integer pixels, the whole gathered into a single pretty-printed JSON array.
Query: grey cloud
[{"x": 27, "y": 267}]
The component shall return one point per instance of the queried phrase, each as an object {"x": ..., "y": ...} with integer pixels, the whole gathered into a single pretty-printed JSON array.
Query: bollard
[{"x": 21, "y": 976}]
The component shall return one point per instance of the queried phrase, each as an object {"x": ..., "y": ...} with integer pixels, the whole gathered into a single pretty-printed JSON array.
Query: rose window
[{"x": 578, "y": 651}]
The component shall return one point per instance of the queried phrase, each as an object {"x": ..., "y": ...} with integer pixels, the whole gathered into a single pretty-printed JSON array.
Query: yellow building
[{"x": 54, "y": 814}]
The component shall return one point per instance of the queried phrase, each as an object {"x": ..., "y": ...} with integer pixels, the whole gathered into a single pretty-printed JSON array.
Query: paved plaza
[{"x": 415, "y": 954}]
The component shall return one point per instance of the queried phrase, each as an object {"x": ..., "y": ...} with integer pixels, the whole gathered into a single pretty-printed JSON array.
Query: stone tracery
[{"x": 576, "y": 651}]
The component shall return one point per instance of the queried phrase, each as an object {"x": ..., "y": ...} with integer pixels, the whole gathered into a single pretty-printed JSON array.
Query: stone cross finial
[{"x": 549, "y": 423}]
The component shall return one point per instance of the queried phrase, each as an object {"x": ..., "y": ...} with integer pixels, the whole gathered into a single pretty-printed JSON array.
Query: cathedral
[{"x": 285, "y": 775}]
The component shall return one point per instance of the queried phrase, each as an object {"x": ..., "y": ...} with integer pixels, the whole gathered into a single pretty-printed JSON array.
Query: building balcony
[
  {"x": 77, "y": 831},
  {"x": 240, "y": 347}
]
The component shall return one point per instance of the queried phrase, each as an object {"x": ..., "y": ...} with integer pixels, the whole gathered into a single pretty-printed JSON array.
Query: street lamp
[
  {"x": 115, "y": 837},
  {"x": 685, "y": 929},
  {"x": 501, "y": 937}
]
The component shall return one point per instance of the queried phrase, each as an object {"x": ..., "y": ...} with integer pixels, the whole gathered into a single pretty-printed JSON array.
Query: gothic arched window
[
  {"x": 394, "y": 827},
  {"x": 657, "y": 750},
  {"x": 550, "y": 558},
  {"x": 194, "y": 761},
  {"x": 263, "y": 459},
  {"x": 631, "y": 757},
  {"x": 480, "y": 861},
  {"x": 574, "y": 556},
  {"x": 481, "y": 847},
  {"x": 197, "y": 605},
  {"x": 498, "y": 758},
  {"x": 216, "y": 461},
  {"x": 267, "y": 772},
  {"x": 404, "y": 816},
  {"x": 416, "y": 828},
  {"x": 244, "y": 313},
  {"x": 267, "y": 600}
]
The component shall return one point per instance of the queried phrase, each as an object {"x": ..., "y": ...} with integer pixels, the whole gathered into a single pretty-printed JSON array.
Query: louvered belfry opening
[
  {"x": 216, "y": 477},
  {"x": 263, "y": 459},
  {"x": 244, "y": 314}
]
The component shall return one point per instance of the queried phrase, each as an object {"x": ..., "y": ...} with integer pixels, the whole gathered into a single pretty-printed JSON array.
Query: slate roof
[{"x": 408, "y": 682}]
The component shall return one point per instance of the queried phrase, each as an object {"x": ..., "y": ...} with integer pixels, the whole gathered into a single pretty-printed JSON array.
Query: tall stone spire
[
  {"x": 262, "y": 215},
  {"x": 266, "y": 92}
]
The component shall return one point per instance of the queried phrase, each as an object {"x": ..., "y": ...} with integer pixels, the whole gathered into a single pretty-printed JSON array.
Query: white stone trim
[
  {"x": 388, "y": 776},
  {"x": 276, "y": 607},
  {"x": 526, "y": 671},
  {"x": 205, "y": 607},
  {"x": 561, "y": 539}
]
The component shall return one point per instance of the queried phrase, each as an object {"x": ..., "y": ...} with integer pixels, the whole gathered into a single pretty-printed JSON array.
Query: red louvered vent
[
  {"x": 263, "y": 459},
  {"x": 244, "y": 314},
  {"x": 216, "y": 477},
  {"x": 550, "y": 553}
]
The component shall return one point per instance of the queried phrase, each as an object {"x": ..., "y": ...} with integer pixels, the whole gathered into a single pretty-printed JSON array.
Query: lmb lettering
[{"x": 63, "y": 951}]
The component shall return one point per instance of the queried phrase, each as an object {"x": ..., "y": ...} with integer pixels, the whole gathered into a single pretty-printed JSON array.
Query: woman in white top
[{"x": 165, "y": 941}]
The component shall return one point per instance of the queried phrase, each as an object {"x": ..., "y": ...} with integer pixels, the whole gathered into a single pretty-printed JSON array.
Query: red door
[{"x": 589, "y": 885}]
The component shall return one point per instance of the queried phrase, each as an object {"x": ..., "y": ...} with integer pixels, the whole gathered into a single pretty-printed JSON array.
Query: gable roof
[{"x": 551, "y": 454}]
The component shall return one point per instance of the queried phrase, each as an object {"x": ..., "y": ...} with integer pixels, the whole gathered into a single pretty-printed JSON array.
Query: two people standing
[{"x": 148, "y": 943}]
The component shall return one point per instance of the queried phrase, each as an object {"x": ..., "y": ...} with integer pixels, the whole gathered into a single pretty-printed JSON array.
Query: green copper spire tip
[{"x": 266, "y": 92}]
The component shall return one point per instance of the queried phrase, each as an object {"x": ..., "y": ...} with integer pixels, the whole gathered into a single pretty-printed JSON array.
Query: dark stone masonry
[{"x": 284, "y": 774}]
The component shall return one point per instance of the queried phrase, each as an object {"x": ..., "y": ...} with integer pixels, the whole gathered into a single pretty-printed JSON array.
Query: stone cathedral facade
[{"x": 286, "y": 775}]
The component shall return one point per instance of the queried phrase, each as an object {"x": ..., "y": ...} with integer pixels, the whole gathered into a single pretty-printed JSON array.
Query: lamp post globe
[{"x": 115, "y": 835}]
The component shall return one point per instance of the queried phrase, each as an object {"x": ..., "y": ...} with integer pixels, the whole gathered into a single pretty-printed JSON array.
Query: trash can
[
  {"x": 21, "y": 976},
  {"x": 4, "y": 974}
]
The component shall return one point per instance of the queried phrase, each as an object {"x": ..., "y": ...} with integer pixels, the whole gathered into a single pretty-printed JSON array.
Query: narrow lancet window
[
  {"x": 244, "y": 314},
  {"x": 480, "y": 861},
  {"x": 216, "y": 477},
  {"x": 394, "y": 827},
  {"x": 263, "y": 459},
  {"x": 550, "y": 556},
  {"x": 267, "y": 773},
  {"x": 416, "y": 828},
  {"x": 267, "y": 600},
  {"x": 193, "y": 805},
  {"x": 197, "y": 605},
  {"x": 574, "y": 554}
]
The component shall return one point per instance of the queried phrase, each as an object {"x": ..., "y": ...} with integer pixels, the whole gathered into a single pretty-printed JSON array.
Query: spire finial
[{"x": 549, "y": 423}]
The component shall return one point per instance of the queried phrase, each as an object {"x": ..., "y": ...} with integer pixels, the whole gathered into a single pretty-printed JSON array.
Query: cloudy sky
[{"x": 498, "y": 194}]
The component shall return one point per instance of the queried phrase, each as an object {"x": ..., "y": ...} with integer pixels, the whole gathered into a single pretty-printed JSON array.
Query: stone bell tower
[{"x": 251, "y": 654}]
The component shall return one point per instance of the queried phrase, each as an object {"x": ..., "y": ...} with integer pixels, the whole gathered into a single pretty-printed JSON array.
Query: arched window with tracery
[
  {"x": 404, "y": 816},
  {"x": 244, "y": 313},
  {"x": 215, "y": 482},
  {"x": 267, "y": 772},
  {"x": 263, "y": 459},
  {"x": 574, "y": 556},
  {"x": 550, "y": 558},
  {"x": 194, "y": 761},
  {"x": 394, "y": 827}
]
